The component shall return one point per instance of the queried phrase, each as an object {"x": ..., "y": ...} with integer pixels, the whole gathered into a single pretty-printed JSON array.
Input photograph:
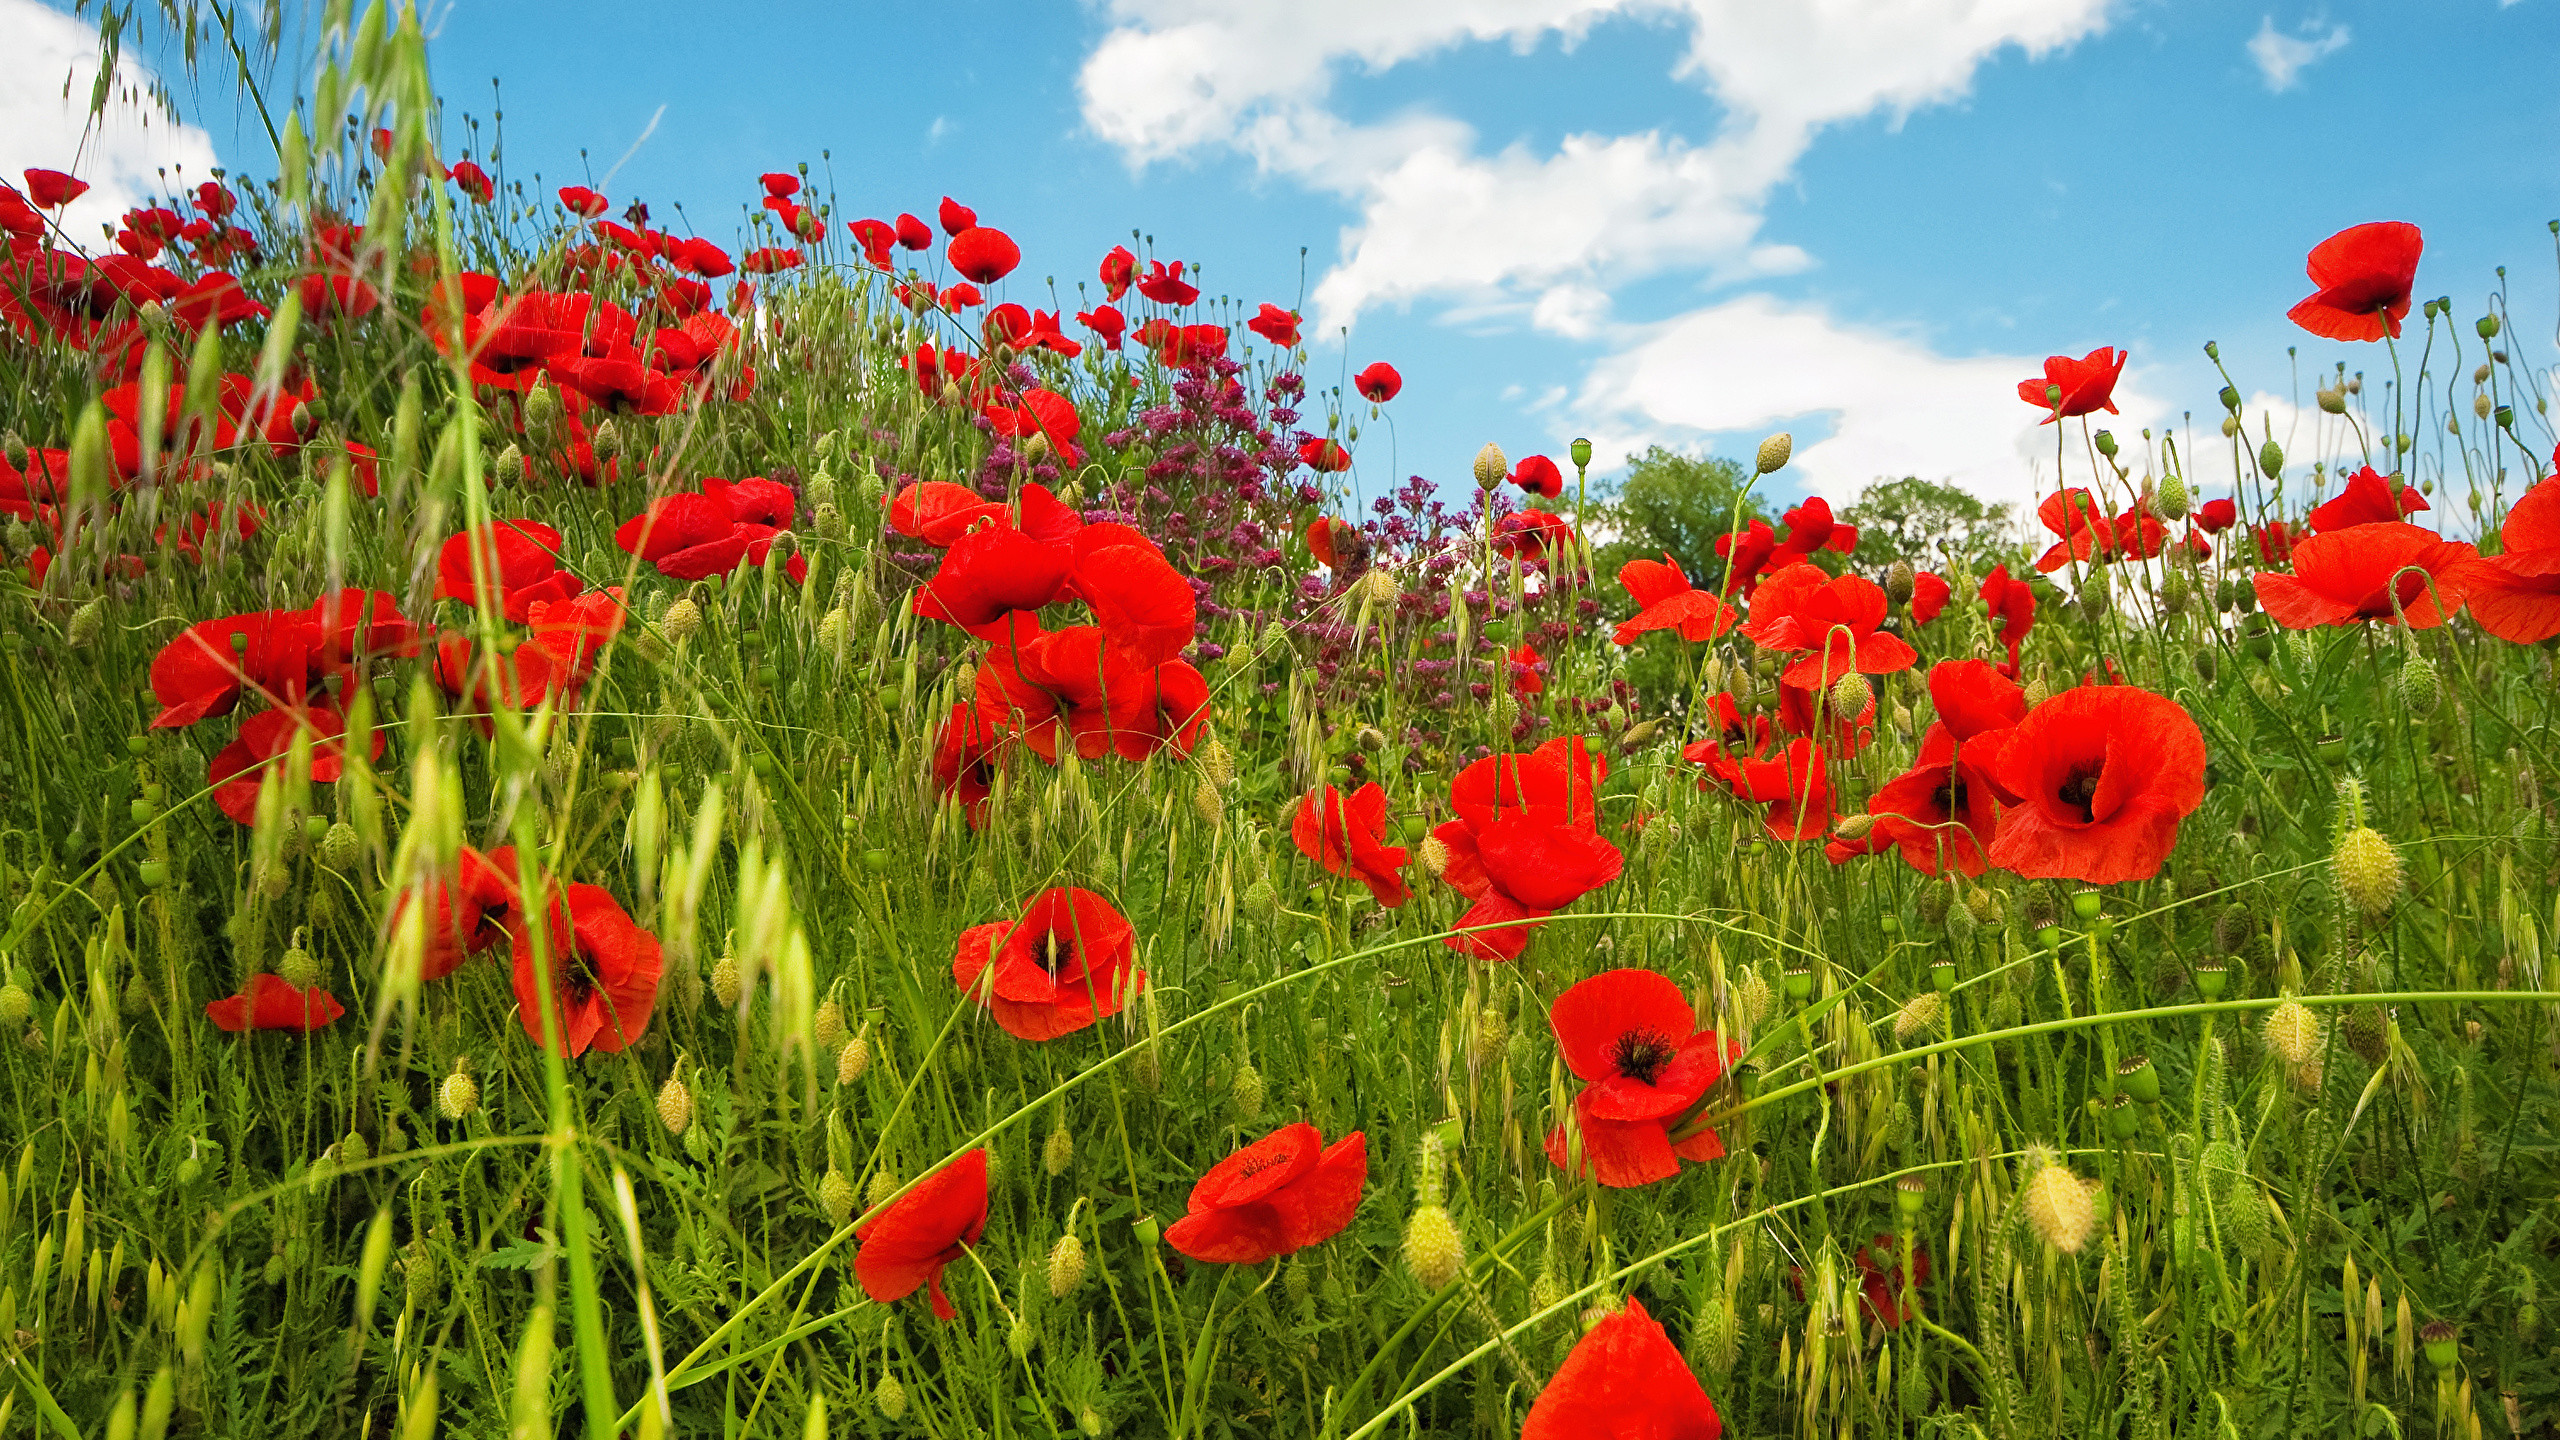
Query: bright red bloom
[
  {"x": 1929, "y": 595},
  {"x": 1276, "y": 1196},
  {"x": 1625, "y": 1380},
  {"x": 1889, "y": 1301},
  {"x": 583, "y": 201},
  {"x": 2367, "y": 498},
  {"x": 1182, "y": 345},
  {"x": 991, "y": 572},
  {"x": 473, "y": 181},
  {"x": 1165, "y": 286},
  {"x": 1323, "y": 456},
  {"x": 2215, "y": 516},
  {"x": 965, "y": 755},
  {"x": 779, "y": 184},
  {"x": 2086, "y": 532},
  {"x": 1795, "y": 783},
  {"x": 604, "y": 971},
  {"x": 1666, "y": 601},
  {"x": 1045, "y": 335},
  {"x": 1068, "y": 960},
  {"x": 913, "y": 233},
  {"x": 2355, "y": 573},
  {"x": 1067, "y": 685},
  {"x": 520, "y": 560},
  {"x": 1347, "y": 838},
  {"x": 956, "y": 218},
  {"x": 1830, "y": 622},
  {"x": 2276, "y": 541},
  {"x": 465, "y": 913},
  {"x": 770, "y": 260},
  {"x": 268, "y": 1002},
  {"x": 1529, "y": 535},
  {"x": 1379, "y": 383},
  {"x": 2013, "y": 609},
  {"x": 698, "y": 256},
  {"x": 1118, "y": 269},
  {"x": 1276, "y": 325},
  {"x": 2087, "y": 384},
  {"x": 1632, "y": 1038},
  {"x": 2365, "y": 274},
  {"x": 875, "y": 237},
  {"x": 1810, "y": 528},
  {"x": 1944, "y": 810},
  {"x": 280, "y": 654},
  {"x": 239, "y": 768},
  {"x": 905, "y": 1247},
  {"x": 1105, "y": 321},
  {"x": 1528, "y": 670},
  {"x": 983, "y": 255},
  {"x": 2515, "y": 594},
  {"x": 52, "y": 189},
  {"x": 1746, "y": 554},
  {"x": 1172, "y": 709},
  {"x": 1526, "y": 842},
  {"x": 687, "y": 535},
  {"x": 2103, "y": 775},
  {"x": 1539, "y": 476},
  {"x": 1044, "y": 413}
]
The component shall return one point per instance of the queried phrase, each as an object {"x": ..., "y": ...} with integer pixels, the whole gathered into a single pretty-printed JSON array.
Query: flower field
[{"x": 606, "y": 830}]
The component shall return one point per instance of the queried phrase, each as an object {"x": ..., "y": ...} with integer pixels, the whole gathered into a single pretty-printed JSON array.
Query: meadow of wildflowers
[{"x": 611, "y": 831}]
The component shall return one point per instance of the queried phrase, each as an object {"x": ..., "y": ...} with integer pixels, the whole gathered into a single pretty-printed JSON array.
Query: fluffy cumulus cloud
[
  {"x": 1890, "y": 405},
  {"x": 50, "y": 60},
  {"x": 2281, "y": 56}
]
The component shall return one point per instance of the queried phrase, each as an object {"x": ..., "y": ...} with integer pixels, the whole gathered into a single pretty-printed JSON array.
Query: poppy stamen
[
  {"x": 2078, "y": 792},
  {"x": 1640, "y": 1054}
]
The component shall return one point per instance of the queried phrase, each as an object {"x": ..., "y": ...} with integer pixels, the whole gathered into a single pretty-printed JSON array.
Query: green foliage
[
  {"x": 1680, "y": 505},
  {"x": 1927, "y": 523}
]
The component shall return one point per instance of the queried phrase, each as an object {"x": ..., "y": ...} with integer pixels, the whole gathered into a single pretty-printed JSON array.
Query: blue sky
[{"x": 1678, "y": 222}]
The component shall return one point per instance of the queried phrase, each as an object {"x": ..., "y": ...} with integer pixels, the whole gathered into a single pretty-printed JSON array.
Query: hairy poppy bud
[
  {"x": 2175, "y": 589},
  {"x": 542, "y": 406},
  {"x": 1850, "y": 695},
  {"x": 2246, "y": 1222},
  {"x": 826, "y": 1027},
  {"x": 2368, "y": 871},
  {"x": 1918, "y": 1016},
  {"x": 15, "y": 1004},
  {"x": 1752, "y": 999},
  {"x": 725, "y": 984},
  {"x": 1900, "y": 582},
  {"x": 884, "y": 1183},
  {"x": 2172, "y": 498},
  {"x": 1244, "y": 1092},
  {"x": 675, "y": 1105},
  {"x": 1261, "y": 901},
  {"x": 2060, "y": 1207},
  {"x": 854, "y": 1058},
  {"x": 1379, "y": 588},
  {"x": 891, "y": 1397},
  {"x": 1492, "y": 466},
  {"x": 2271, "y": 459},
  {"x": 1851, "y": 827},
  {"x": 2333, "y": 400},
  {"x": 86, "y": 624},
  {"x": 1435, "y": 854},
  {"x": 1775, "y": 452},
  {"x": 682, "y": 620},
  {"x": 831, "y": 630},
  {"x": 298, "y": 967},
  {"x": 2292, "y": 1032},
  {"x": 1058, "y": 1151},
  {"x": 2420, "y": 688},
  {"x": 835, "y": 1194},
  {"x": 459, "y": 1095},
  {"x": 1433, "y": 1249},
  {"x": 1275, "y": 637},
  {"x": 1066, "y": 1266}
]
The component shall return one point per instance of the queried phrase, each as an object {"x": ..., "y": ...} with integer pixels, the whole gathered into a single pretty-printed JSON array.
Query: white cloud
[
  {"x": 1440, "y": 218},
  {"x": 1892, "y": 406},
  {"x": 2281, "y": 58},
  {"x": 120, "y": 154}
]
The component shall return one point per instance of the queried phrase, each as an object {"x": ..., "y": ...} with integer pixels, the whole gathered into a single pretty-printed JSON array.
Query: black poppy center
[
  {"x": 1640, "y": 1054},
  {"x": 579, "y": 979},
  {"x": 2079, "y": 791},
  {"x": 1055, "y": 951},
  {"x": 1949, "y": 798}
]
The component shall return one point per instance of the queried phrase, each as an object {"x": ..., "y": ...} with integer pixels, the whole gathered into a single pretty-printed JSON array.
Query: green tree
[
  {"x": 1922, "y": 521},
  {"x": 1680, "y": 504}
]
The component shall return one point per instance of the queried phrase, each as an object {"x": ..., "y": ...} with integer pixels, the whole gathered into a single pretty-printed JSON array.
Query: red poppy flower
[
  {"x": 1165, "y": 286},
  {"x": 1795, "y": 783},
  {"x": 2087, "y": 384},
  {"x": 965, "y": 755},
  {"x": 2354, "y": 574},
  {"x": 1929, "y": 595},
  {"x": 2073, "y": 514},
  {"x": 51, "y": 189},
  {"x": 1889, "y": 1301},
  {"x": 961, "y": 296},
  {"x": 906, "y": 1246},
  {"x": 2365, "y": 274},
  {"x": 2275, "y": 541},
  {"x": 2368, "y": 498},
  {"x": 1379, "y": 383},
  {"x": 1665, "y": 601},
  {"x": 1068, "y": 685},
  {"x": 2215, "y": 516},
  {"x": 1632, "y": 1038},
  {"x": 1624, "y": 1380},
  {"x": 1171, "y": 709},
  {"x": 520, "y": 559},
  {"x": 473, "y": 181},
  {"x": 238, "y": 769},
  {"x": 1276, "y": 1196},
  {"x": 1526, "y": 843},
  {"x": 779, "y": 184},
  {"x": 1323, "y": 456},
  {"x": 1118, "y": 269},
  {"x": 983, "y": 255},
  {"x": 280, "y": 654},
  {"x": 583, "y": 201},
  {"x": 770, "y": 260},
  {"x": 215, "y": 300},
  {"x": 1044, "y": 413},
  {"x": 1068, "y": 960},
  {"x": 1528, "y": 670},
  {"x": 1529, "y": 535},
  {"x": 465, "y": 913},
  {"x": 2013, "y": 609},
  {"x": 1183, "y": 345},
  {"x": 604, "y": 971},
  {"x": 1830, "y": 622},
  {"x": 268, "y": 1002},
  {"x": 913, "y": 233},
  {"x": 687, "y": 535},
  {"x": 1346, "y": 838},
  {"x": 990, "y": 573},
  {"x": 1276, "y": 325},
  {"x": 875, "y": 237},
  {"x": 956, "y": 217},
  {"x": 2103, "y": 775},
  {"x": 1746, "y": 554},
  {"x": 1539, "y": 476},
  {"x": 2515, "y": 594},
  {"x": 1810, "y": 528},
  {"x": 1105, "y": 321},
  {"x": 1943, "y": 811}
]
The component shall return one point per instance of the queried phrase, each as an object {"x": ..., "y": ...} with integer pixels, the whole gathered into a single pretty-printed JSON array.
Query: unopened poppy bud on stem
[
  {"x": 1433, "y": 1249},
  {"x": 2368, "y": 872},
  {"x": 2172, "y": 498},
  {"x": 854, "y": 1058},
  {"x": 1066, "y": 1266},
  {"x": 2292, "y": 1032},
  {"x": 1775, "y": 452},
  {"x": 1491, "y": 466},
  {"x": 675, "y": 1105},
  {"x": 2059, "y": 1207},
  {"x": 459, "y": 1095}
]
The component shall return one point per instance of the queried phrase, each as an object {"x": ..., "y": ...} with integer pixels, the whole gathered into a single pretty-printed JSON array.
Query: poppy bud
[
  {"x": 2293, "y": 1033},
  {"x": 884, "y": 1183},
  {"x": 2106, "y": 443},
  {"x": 1433, "y": 1249},
  {"x": 1435, "y": 854},
  {"x": 2172, "y": 498},
  {"x": 341, "y": 847},
  {"x": 1378, "y": 588},
  {"x": 2271, "y": 459},
  {"x": 86, "y": 624},
  {"x": 835, "y": 1194},
  {"x": 1775, "y": 452},
  {"x": 459, "y": 1095},
  {"x": 2420, "y": 688},
  {"x": 2368, "y": 871},
  {"x": 2487, "y": 325},
  {"x": 1491, "y": 466},
  {"x": 854, "y": 1058},
  {"x": 675, "y": 1105},
  {"x": 725, "y": 984},
  {"x": 1217, "y": 763},
  {"x": 1066, "y": 1266},
  {"x": 15, "y": 1004},
  {"x": 1918, "y": 1016},
  {"x": 1850, "y": 695},
  {"x": 1261, "y": 902},
  {"x": 1851, "y": 827},
  {"x": 1058, "y": 1151},
  {"x": 2230, "y": 426},
  {"x": 2174, "y": 590},
  {"x": 891, "y": 1397},
  {"x": 298, "y": 967},
  {"x": 826, "y": 1027},
  {"x": 1244, "y": 1091},
  {"x": 2060, "y": 1207},
  {"x": 1275, "y": 637}
]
